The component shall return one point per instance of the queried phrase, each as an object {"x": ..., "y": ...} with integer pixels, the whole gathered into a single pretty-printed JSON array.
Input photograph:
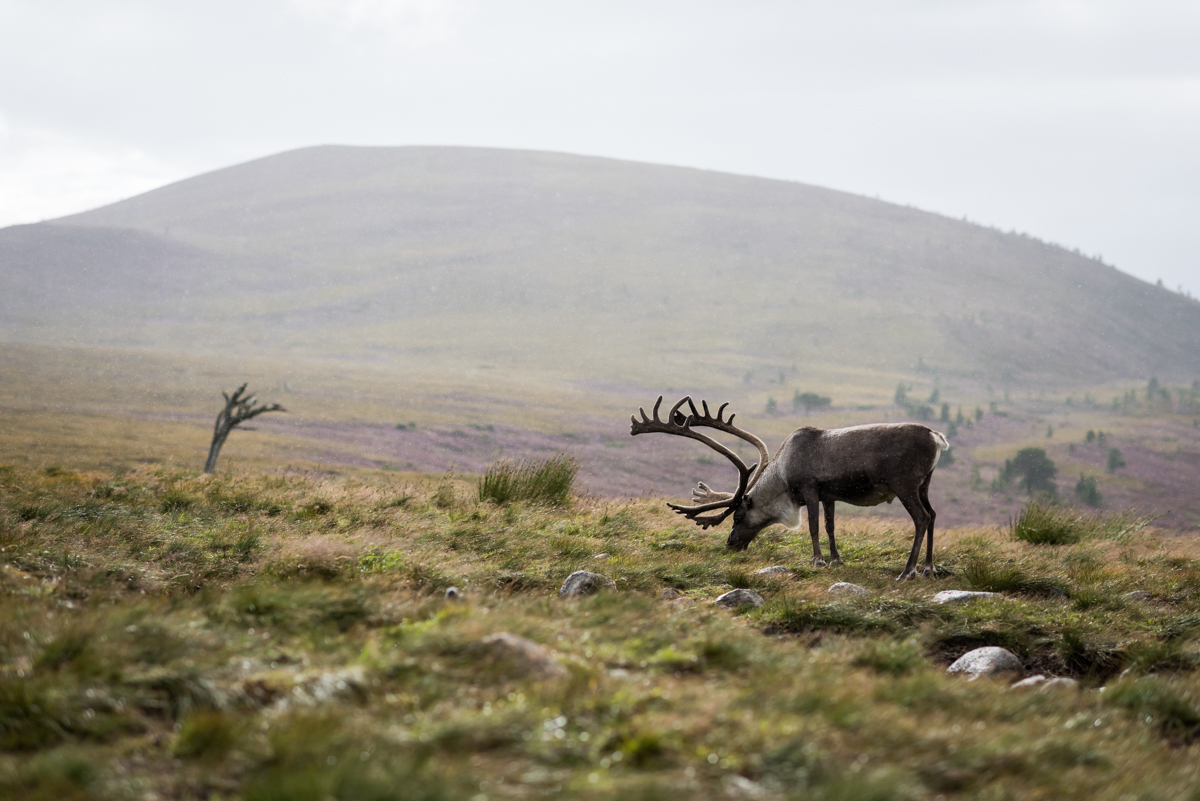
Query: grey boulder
[
  {"x": 846, "y": 588},
  {"x": 989, "y": 661},
  {"x": 581, "y": 582},
  {"x": 531, "y": 657},
  {"x": 961, "y": 596},
  {"x": 735, "y": 599},
  {"x": 773, "y": 570}
]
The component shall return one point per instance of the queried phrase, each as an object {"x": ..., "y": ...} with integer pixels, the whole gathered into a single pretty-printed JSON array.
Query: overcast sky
[{"x": 1077, "y": 122}]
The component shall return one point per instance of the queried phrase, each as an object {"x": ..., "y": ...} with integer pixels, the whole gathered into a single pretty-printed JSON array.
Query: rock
[
  {"x": 989, "y": 661},
  {"x": 683, "y": 603},
  {"x": 735, "y": 599},
  {"x": 601, "y": 556},
  {"x": 846, "y": 588},
  {"x": 960, "y": 596},
  {"x": 581, "y": 582},
  {"x": 313, "y": 689},
  {"x": 452, "y": 593},
  {"x": 774, "y": 570},
  {"x": 670, "y": 594},
  {"x": 740, "y": 787},
  {"x": 531, "y": 657},
  {"x": 1061, "y": 683},
  {"x": 1139, "y": 595},
  {"x": 1032, "y": 681}
]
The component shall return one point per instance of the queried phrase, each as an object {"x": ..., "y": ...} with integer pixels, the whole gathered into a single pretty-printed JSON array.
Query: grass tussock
[
  {"x": 542, "y": 481},
  {"x": 989, "y": 574},
  {"x": 1043, "y": 522}
]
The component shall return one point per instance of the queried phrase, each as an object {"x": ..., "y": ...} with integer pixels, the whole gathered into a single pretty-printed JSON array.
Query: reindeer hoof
[
  {"x": 907, "y": 574},
  {"x": 930, "y": 571},
  {"x": 818, "y": 562},
  {"x": 835, "y": 561}
]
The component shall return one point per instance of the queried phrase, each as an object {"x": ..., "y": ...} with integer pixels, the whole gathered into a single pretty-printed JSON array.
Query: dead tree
[{"x": 237, "y": 411}]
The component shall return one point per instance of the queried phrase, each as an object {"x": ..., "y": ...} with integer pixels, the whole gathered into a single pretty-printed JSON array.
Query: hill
[{"x": 598, "y": 268}]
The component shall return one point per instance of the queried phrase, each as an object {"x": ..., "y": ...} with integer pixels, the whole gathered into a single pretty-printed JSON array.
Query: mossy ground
[{"x": 285, "y": 635}]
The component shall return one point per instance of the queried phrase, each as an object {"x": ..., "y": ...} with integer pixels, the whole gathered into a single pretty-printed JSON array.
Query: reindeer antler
[{"x": 679, "y": 424}]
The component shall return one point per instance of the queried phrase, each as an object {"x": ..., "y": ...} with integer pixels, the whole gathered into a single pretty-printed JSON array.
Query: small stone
[
  {"x": 683, "y": 603},
  {"x": 740, "y": 787},
  {"x": 960, "y": 596},
  {"x": 773, "y": 570},
  {"x": 1139, "y": 595},
  {"x": 670, "y": 594},
  {"x": 1025, "y": 684},
  {"x": 989, "y": 661},
  {"x": 581, "y": 582},
  {"x": 452, "y": 593},
  {"x": 317, "y": 688},
  {"x": 533, "y": 658},
  {"x": 1061, "y": 683},
  {"x": 846, "y": 588},
  {"x": 735, "y": 599},
  {"x": 601, "y": 556}
]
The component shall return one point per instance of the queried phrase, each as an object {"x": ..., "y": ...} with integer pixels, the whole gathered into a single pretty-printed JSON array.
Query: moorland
[{"x": 281, "y": 629}]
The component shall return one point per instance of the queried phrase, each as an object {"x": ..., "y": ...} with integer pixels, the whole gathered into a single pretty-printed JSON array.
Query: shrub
[
  {"x": 922, "y": 411},
  {"x": 1115, "y": 460},
  {"x": 1035, "y": 469},
  {"x": 1086, "y": 490},
  {"x": 546, "y": 481},
  {"x": 1043, "y": 523},
  {"x": 809, "y": 401}
]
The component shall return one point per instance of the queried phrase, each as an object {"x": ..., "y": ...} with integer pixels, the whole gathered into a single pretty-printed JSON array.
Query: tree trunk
[
  {"x": 237, "y": 410},
  {"x": 214, "y": 450}
]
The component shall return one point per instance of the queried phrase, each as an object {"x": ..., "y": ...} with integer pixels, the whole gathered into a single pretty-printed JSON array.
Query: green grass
[
  {"x": 139, "y": 642},
  {"x": 1044, "y": 523},
  {"x": 546, "y": 481},
  {"x": 986, "y": 574}
]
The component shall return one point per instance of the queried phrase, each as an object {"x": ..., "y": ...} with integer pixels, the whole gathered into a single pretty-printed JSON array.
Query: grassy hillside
[
  {"x": 287, "y": 635},
  {"x": 105, "y": 409},
  {"x": 596, "y": 268}
]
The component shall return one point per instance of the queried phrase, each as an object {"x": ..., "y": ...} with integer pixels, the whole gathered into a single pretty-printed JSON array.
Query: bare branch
[{"x": 237, "y": 411}]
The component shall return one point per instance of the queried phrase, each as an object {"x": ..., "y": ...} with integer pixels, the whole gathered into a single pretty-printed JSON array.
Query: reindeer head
[{"x": 739, "y": 503}]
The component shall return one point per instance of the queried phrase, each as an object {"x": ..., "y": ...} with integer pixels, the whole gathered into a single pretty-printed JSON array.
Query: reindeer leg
[
  {"x": 929, "y": 569},
  {"x": 834, "y": 558},
  {"x": 912, "y": 504},
  {"x": 813, "y": 505}
]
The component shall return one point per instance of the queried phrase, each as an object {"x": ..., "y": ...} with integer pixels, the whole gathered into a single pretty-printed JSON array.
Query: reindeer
[{"x": 863, "y": 465}]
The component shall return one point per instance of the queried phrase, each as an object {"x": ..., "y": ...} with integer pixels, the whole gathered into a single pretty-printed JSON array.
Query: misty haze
[{"x": 442, "y": 567}]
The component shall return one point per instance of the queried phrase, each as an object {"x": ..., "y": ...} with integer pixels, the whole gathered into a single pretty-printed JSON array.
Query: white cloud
[
  {"x": 44, "y": 174},
  {"x": 410, "y": 23}
]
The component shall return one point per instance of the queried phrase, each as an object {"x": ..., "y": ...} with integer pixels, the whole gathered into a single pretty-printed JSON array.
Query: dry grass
[{"x": 285, "y": 635}]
